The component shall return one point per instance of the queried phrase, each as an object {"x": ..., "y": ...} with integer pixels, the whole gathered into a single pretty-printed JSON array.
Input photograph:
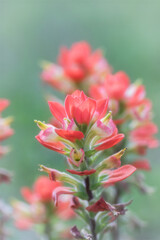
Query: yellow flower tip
[
  {"x": 121, "y": 152},
  {"x": 44, "y": 64},
  {"x": 44, "y": 169},
  {"x": 41, "y": 168},
  {"x": 107, "y": 117},
  {"x": 9, "y": 120},
  {"x": 41, "y": 125}
]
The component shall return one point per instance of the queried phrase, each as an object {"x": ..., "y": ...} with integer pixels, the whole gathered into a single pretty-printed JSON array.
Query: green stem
[{"x": 92, "y": 222}]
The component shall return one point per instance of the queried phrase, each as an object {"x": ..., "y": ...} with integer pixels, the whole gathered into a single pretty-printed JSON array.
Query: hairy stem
[{"x": 90, "y": 197}]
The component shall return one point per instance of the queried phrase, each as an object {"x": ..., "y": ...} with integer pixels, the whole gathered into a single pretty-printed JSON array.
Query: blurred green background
[{"x": 33, "y": 30}]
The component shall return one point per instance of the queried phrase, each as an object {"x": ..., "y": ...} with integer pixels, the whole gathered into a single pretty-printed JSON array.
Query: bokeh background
[{"x": 32, "y": 30}]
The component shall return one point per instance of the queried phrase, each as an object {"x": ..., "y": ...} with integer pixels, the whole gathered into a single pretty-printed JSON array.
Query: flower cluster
[
  {"x": 38, "y": 207},
  {"x": 86, "y": 131},
  {"x": 5, "y": 132},
  {"x": 5, "y": 175},
  {"x": 131, "y": 112},
  {"x": 78, "y": 67}
]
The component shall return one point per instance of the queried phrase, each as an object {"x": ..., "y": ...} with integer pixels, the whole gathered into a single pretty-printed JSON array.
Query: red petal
[
  {"x": 69, "y": 134},
  {"x": 28, "y": 195},
  {"x": 141, "y": 165},
  {"x": 84, "y": 112},
  {"x": 100, "y": 206},
  {"x": 4, "y": 103},
  {"x": 97, "y": 92},
  {"x": 81, "y": 173},
  {"x": 69, "y": 104},
  {"x": 101, "y": 107},
  {"x": 110, "y": 142},
  {"x": 55, "y": 146},
  {"x": 57, "y": 110},
  {"x": 119, "y": 174}
]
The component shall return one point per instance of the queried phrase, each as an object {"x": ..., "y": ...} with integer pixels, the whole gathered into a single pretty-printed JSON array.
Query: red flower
[
  {"x": 134, "y": 95},
  {"x": 142, "y": 165},
  {"x": 79, "y": 107},
  {"x": 143, "y": 135},
  {"x": 42, "y": 190},
  {"x": 83, "y": 121},
  {"x": 70, "y": 135},
  {"x": 81, "y": 173},
  {"x": 4, "y": 103},
  {"x": 78, "y": 62},
  {"x": 113, "y": 210},
  {"x": 58, "y": 192},
  {"x": 55, "y": 76},
  {"x": 55, "y": 146},
  {"x": 5, "y": 130},
  {"x": 118, "y": 174},
  {"x": 109, "y": 142},
  {"x": 100, "y": 206},
  {"x": 116, "y": 85}
]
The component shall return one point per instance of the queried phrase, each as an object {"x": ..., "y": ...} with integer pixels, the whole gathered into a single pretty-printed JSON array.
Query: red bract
[
  {"x": 142, "y": 165},
  {"x": 116, "y": 85},
  {"x": 78, "y": 62},
  {"x": 55, "y": 76},
  {"x": 55, "y": 146},
  {"x": 143, "y": 135},
  {"x": 4, "y": 103},
  {"x": 100, "y": 206},
  {"x": 59, "y": 191},
  {"x": 42, "y": 190},
  {"x": 70, "y": 135},
  {"x": 109, "y": 142},
  {"x": 64, "y": 211},
  {"x": 5, "y": 130},
  {"x": 134, "y": 95},
  {"x": 118, "y": 174},
  {"x": 81, "y": 173},
  {"x": 78, "y": 67},
  {"x": 79, "y": 107}
]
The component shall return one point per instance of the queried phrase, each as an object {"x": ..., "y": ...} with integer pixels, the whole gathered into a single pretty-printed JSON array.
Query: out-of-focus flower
[
  {"x": 5, "y": 130},
  {"x": 143, "y": 135},
  {"x": 42, "y": 190},
  {"x": 4, "y": 103},
  {"x": 142, "y": 164},
  {"x": 77, "y": 66},
  {"x": 117, "y": 175},
  {"x": 26, "y": 215},
  {"x": 39, "y": 199},
  {"x": 5, "y": 176}
]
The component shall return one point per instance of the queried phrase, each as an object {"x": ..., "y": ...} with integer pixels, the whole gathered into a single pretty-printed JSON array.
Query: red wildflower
[
  {"x": 81, "y": 173},
  {"x": 143, "y": 135},
  {"x": 4, "y": 103},
  {"x": 100, "y": 206},
  {"x": 142, "y": 165},
  {"x": 42, "y": 190},
  {"x": 109, "y": 142},
  {"x": 118, "y": 174},
  {"x": 78, "y": 62},
  {"x": 116, "y": 85},
  {"x": 5, "y": 130}
]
